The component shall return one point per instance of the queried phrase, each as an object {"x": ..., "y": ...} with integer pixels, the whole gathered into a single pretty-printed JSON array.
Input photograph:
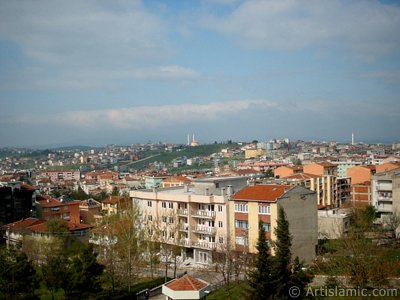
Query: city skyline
[{"x": 95, "y": 73}]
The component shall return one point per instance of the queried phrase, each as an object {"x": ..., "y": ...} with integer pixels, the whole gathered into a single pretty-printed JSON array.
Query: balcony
[
  {"x": 184, "y": 227},
  {"x": 182, "y": 212},
  {"x": 385, "y": 199},
  {"x": 185, "y": 243},
  {"x": 385, "y": 208},
  {"x": 204, "y": 214},
  {"x": 204, "y": 230},
  {"x": 205, "y": 245}
]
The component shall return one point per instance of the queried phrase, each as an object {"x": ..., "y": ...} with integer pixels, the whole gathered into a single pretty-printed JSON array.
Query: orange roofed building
[{"x": 259, "y": 203}]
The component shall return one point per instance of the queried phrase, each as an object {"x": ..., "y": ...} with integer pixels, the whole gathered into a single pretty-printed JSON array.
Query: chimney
[
  {"x": 206, "y": 192},
  {"x": 223, "y": 191},
  {"x": 229, "y": 191}
]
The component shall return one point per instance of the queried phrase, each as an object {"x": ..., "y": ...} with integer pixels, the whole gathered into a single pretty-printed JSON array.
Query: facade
[
  {"x": 195, "y": 216},
  {"x": 48, "y": 208},
  {"x": 361, "y": 195},
  {"x": 286, "y": 171},
  {"x": 361, "y": 174},
  {"x": 386, "y": 192},
  {"x": 114, "y": 204},
  {"x": 323, "y": 168},
  {"x": 259, "y": 203},
  {"x": 17, "y": 201},
  {"x": 60, "y": 176},
  {"x": 333, "y": 223}
]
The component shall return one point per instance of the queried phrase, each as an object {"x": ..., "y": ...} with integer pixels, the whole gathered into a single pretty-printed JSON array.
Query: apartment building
[
  {"x": 48, "y": 208},
  {"x": 386, "y": 192},
  {"x": 331, "y": 191},
  {"x": 361, "y": 176},
  {"x": 194, "y": 216},
  {"x": 61, "y": 176},
  {"x": 114, "y": 204},
  {"x": 90, "y": 210},
  {"x": 259, "y": 203}
]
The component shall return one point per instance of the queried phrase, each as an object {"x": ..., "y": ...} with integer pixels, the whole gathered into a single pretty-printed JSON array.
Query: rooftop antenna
[{"x": 352, "y": 138}]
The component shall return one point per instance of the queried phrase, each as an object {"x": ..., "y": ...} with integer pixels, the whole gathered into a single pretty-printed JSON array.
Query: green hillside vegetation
[{"x": 189, "y": 152}]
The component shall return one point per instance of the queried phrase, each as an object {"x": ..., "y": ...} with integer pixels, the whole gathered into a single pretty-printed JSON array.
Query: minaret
[
  {"x": 188, "y": 143},
  {"x": 352, "y": 138}
]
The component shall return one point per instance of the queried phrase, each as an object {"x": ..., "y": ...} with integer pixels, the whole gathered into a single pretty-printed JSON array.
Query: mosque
[{"x": 194, "y": 143}]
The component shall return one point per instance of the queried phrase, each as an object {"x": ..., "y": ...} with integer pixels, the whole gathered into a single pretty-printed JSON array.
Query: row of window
[
  {"x": 165, "y": 204},
  {"x": 244, "y": 208},
  {"x": 245, "y": 225}
]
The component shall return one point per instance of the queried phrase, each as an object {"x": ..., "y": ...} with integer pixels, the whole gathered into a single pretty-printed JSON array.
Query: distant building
[
  {"x": 90, "y": 210},
  {"x": 333, "y": 223},
  {"x": 57, "y": 176},
  {"x": 114, "y": 204}
]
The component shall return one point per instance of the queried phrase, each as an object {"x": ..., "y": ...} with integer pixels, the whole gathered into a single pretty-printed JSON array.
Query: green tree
[
  {"x": 283, "y": 256},
  {"x": 260, "y": 278},
  {"x": 84, "y": 274},
  {"x": 18, "y": 278}
]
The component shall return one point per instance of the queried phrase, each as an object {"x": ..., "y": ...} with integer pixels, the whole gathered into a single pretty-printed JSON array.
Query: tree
[
  {"x": 18, "y": 277},
  {"x": 84, "y": 273},
  {"x": 282, "y": 259},
  {"x": 55, "y": 265},
  {"x": 260, "y": 278}
]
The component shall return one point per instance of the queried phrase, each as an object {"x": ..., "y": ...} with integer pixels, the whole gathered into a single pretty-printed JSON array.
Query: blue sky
[{"x": 98, "y": 72}]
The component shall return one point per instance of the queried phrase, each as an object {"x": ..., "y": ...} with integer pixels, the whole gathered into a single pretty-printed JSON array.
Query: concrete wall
[{"x": 300, "y": 206}]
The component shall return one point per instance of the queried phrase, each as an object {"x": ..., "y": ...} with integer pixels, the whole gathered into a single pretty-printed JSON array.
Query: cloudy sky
[{"x": 98, "y": 72}]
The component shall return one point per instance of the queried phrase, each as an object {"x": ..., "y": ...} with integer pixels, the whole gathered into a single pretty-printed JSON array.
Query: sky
[{"x": 123, "y": 72}]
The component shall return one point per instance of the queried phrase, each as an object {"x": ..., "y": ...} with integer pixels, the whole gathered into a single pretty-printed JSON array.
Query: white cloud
[
  {"x": 369, "y": 28},
  {"x": 88, "y": 44},
  {"x": 148, "y": 116}
]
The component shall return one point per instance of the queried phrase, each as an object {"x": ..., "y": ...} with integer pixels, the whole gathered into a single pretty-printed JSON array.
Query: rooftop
[
  {"x": 261, "y": 192},
  {"x": 186, "y": 283}
]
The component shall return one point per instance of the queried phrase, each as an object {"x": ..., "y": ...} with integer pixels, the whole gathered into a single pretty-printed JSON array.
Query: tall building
[
  {"x": 259, "y": 204},
  {"x": 17, "y": 201},
  {"x": 386, "y": 192},
  {"x": 194, "y": 216}
]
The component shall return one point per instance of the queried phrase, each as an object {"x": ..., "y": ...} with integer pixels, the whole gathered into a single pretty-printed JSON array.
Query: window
[
  {"x": 164, "y": 204},
  {"x": 170, "y": 220},
  {"x": 241, "y": 224},
  {"x": 164, "y": 219},
  {"x": 170, "y": 205},
  {"x": 241, "y": 208},
  {"x": 219, "y": 208},
  {"x": 241, "y": 240},
  {"x": 220, "y": 224},
  {"x": 149, "y": 203},
  {"x": 266, "y": 226},
  {"x": 221, "y": 240},
  {"x": 150, "y": 217},
  {"x": 264, "y": 209}
]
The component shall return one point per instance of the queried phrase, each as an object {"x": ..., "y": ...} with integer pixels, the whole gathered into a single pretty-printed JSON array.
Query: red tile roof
[
  {"x": 71, "y": 227},
  {"x": 23, "y": 224},
  {"x": 178, "y": 179},
  {"x": 186, "y": 283},
  {"x": 262, "y": 192}
]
